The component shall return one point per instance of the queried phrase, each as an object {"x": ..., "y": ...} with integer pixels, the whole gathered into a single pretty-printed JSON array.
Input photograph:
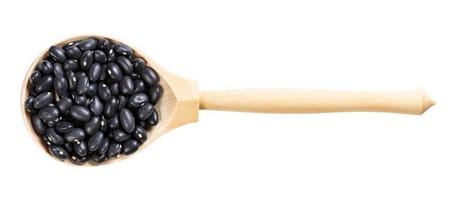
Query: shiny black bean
[
  {"x": 46, "y": 67},
  {"x": 64, "y": 127},
  {"x": 53, "y": 136},
  {"x": 76, "y": 134},
  {"x": 122, "y": 102},
  {"x": 104, "y": 44},
  {"x": 119, "y": 135},
  {"x": 43, "y": 100},
  {"x": 137, "y": 100},
  {"x": 79, "y": 160},
  {"x": 114, "y": 88},
  {"x": 64, "y": 104},
  {"x": 71, "y": 44},
  {"x": 92, "y": 125},
  {"x": 58, "y": 152},
  {"x": 88, "y": 44},
  {"x": 38, "y": 124},
  {"x": 29, "y": 104},
  {"x": 105, "y": 144},
  {"x": 35, "y": 77},
  {"x": 113, "y": 122},
  {"x": 155, "y": 93},
  {"x": 138, "y": 65},
  {"x": 127, "y": 120},
  {"x": 80, "y": 113},
  {"x": 145, "y": 111},
  {"x": 125, "y": 65},
  {"x": 49, "y": 113},
  {"x": 95, "y": 141},
  {"x": 100, "y": 56},
  {"x": 57, "y": 54},
  {"x": 98, "y": 158},
  {"x": 126, "y": 86},
  {"x": 58, "y": 69},
  {"x": 111, "y": 106},
  {"x": 140, "y": 134},
  {"x": 73, "y": 52},
  {"x": 114, "y": 71},
  {"x": 80, "y": 99},
  {"x": 114, "y": 150},
  {"x": 71, "y": 64},
  {"x": 86, "y": 60},
  {"x": 153, "y": 119},
  {"x": 71, "y": 80},
  {"x": 103, "y": 72},
  {"x": 82, "y": 84},
  {"x": 111, "y": 55},
  {"x": 45, "y": 85},
  {"x": 96, "y": 106},
  {"x": 94, "y": 72},
  {"x": 80, "y": 148},
  {"x": 149, "y": 76},
  {"x": 60, "y": 86},
  {"x": 130, "y": 146},
  {"x": 46, "y": 140},
  {"x": 92, "y": 89},
  {"x": 139, "y": 86},
  {"x": 123, "y": 49},
  {"x": 103, "y": 124},
  {"x": 104, "y": 91}
]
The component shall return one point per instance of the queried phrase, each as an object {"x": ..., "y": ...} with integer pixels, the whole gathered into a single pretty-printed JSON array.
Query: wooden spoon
[{"x": 181, "y": 100}]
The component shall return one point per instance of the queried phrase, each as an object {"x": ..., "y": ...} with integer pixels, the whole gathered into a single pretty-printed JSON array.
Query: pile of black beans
[{"x": 93, "y": 100}]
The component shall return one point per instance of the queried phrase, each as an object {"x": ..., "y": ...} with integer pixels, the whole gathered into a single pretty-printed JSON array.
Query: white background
[{"x": 353, "y": 45}]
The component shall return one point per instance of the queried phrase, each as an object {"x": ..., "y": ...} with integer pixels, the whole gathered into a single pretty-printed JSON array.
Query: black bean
[
  {"x": 149, "y": 76},
  {"x": 64, "y": 127},
  {"x": 111, "y": 106},
  {"x": 103, "y": 44},
  {"x": 155, "y": 93},
  {"x": 43, "y": 100},
  {"x": 58, "y": 152},
  {"x": 111, "y": 55},
  {"x": 138, "y": 65},
  {"x": 82, "y": 84},
  {"x": 122, "y": 102},
  {"x": 130, "y": 146},
  {"x": 114, "y": 150},
  {"x": 38, "y": 124},
  {"x": 69, "y": 147},
  {"x": 104, "y": 91},
  {"x": 54, "y": 137},
  {"x": 49, "y": 113},
  {"x": 35, "y": 77},
  {"x": 153, "y": 119},
  {"x": 114, "y": 88},
  {"x": 125, "y": 65},
  {"x": 88, "y": 44},
  {"x": 80, "y": 148},
  {"x": 46, "y": 67},
  {"x": 71, "y": 65},
  {"x": 79, "y": 160},
  {"x": 140, "y": 134},
  {"x": 86, "y": 60},
  {"x": 103, "y": 72},
  {"x": 145, "y": 111},
  {"x": 64, "y": 104},
  {"x": 139, "y": 85},
  {"x": 45, "y": 85},
  {"x": 92, "y": 89},
  {"x": 57, "y": 54},
  {"x": 98, "y": 158},
  {"x": 71, "y": 80},
  {"x": 141, "y": 123},
  {"x": 103, "y": 124},
  {"x": 137, "y": 100},
  {"x": 80, "y": 113},
  {"x": 76, "y": 134},
  {"x": 96, "y": 106},
  {"x": 119, "y": 135},
  {"x": 94, "y": 72},
  {"x": 105, "y": 144},
  {"x": 58, "y": 69},
  {"x": 92, "y": 125},
  {"x": 73, "y": 52},
  {"x": 80, "y": 99},
  {"x": 127, "y": 120},
  {"x": 114, "y": 71},
  {"x": 113, "y": 122},
  {"x": 95, "y": 141},
  {"x": 126, "y": 86},
  {"x": 71, "y": 44},
  {"x": 60, "y": 86},
  {"x": 123, "y": 49},
  {"x": 29, "y": 104},
  {"x": 100, "y": 56}
]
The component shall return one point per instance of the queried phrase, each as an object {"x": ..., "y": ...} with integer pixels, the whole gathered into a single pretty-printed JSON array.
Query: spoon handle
[{"x": 315, "y": 101}]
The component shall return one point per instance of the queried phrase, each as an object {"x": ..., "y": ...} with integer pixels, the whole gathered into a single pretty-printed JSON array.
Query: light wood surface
[{"x": 181, "y": 100}]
